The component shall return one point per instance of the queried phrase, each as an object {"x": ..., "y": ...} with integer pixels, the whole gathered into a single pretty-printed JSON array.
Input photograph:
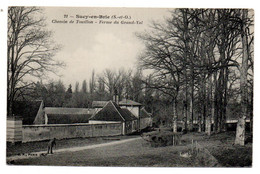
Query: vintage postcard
[{"x": 129, "y": 87}]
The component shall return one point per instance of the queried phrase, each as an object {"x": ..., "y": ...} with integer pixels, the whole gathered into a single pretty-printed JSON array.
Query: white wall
[
  {"x": 101, "y": 122},
  {"x": 61, "y": 131},
  {"x": 133, "y": 109}
]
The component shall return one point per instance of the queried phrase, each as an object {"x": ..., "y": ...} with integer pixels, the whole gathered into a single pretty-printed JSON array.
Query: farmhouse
[
  {"x": 132, "y": 106},
  {"x": 144, "y": 118},
  {"x": 112, "y": 113}
]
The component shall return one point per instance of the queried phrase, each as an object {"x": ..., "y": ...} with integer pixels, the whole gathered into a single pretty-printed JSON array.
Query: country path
[{"x": 70, "y": 149}]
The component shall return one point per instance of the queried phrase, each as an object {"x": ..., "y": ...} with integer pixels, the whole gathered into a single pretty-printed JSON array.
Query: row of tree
[
  {"x": 203, "y": 60},
  {"x": 100, "y": 87}
]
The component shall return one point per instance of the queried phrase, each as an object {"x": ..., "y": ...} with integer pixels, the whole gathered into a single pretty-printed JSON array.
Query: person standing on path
[{"x": 51, "y": 143}]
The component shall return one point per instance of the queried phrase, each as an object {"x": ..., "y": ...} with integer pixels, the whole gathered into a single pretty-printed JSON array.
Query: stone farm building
[
  {"x": 144, "y": 119},
  {"x": 111, "y": 113},
  {"x": 60, "y": 115},
  {"x": 131, "y": 105},
  {"x": 131, "y": 114}
]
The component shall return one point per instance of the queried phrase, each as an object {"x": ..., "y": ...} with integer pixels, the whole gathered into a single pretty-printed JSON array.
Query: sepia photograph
[{"x": 130, "y": 87}]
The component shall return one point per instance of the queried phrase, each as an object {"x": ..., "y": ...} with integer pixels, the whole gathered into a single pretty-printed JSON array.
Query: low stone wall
[{"x": 62, "y": 131}]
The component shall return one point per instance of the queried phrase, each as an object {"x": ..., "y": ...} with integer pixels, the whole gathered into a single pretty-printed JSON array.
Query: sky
[{"x": 87, "y": 47}]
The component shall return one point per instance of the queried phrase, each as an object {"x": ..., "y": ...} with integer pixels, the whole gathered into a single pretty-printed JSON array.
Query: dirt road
[{"x": 71, "y": 149}]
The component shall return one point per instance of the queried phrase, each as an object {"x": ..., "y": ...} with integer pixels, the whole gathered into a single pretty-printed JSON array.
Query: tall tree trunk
[
  {"x": 200, "y": 111},
  {"x": 213, "y": 97},
  {"x": 251, "y": 111},
  {"x": 186, "y": 55},
  {"x": 191, "y": 109},
  {"x": 240, "y": 132},
  {"x": 205, "y": 108},
  {"x": 208, "y": 126},
  {"x": 216, "y": 104},
  {"x": 224, "y": 108},
  {"x": 199, "y": 122},
  {"x": 185, "y": 114},
  {"x": 175, "y": 117},
  {"x": 209, "y": 94}
]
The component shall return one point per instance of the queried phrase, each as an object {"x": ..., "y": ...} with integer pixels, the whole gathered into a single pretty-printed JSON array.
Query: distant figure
[{"x": 51, "y": 143}]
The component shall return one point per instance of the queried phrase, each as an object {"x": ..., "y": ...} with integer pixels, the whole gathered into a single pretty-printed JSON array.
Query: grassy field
[
  {"x": 222, "y": 147},
  {"x": 139, "y": 153}
]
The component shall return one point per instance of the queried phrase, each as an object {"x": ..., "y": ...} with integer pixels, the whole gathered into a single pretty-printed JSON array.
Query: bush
[{"x": 162, "y": 138}]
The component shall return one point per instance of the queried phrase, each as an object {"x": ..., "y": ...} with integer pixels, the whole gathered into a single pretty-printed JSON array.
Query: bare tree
[
  {"x": 193, "y": 55},
  {"x": 109, "y": 79},
  {"x": 84, "y": 87},
  {"x": 30, "y": 50},
  {"x": 114, "y": 80},
  {"x": 92, "y": 84},
  {"x": 240, "y": 132}
]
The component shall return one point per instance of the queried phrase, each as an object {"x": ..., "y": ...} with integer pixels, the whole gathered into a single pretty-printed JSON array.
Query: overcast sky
[{"x": 98, "y": 46}]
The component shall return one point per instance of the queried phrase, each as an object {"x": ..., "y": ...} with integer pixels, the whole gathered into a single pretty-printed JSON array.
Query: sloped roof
[
  {"x": 59, "y": 115},
  {"x": 112, "y": 112},
  {"x": 128, "y": 115},
  {"x": 99, "y": 104},
  {"x": 127, "y": 102},
  {"x": 68, "y": 118},
  {"x": 27, "y": 110},
  {"x": 64, "y": 111},
  {"x": 144, "y": 113}
]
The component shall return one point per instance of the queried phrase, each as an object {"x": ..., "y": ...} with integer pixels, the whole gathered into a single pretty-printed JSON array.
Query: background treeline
[{"x": 128, "y": 84}]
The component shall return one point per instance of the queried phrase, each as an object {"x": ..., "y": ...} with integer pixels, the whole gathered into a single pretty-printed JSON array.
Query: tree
[
  {"x": 84, "y": 86},
  {"x": 30, "y": 50},
  {"x": 193, "y": 56},
  {"x": 76, "y": 87},
  {"x": 53, "y": 94},
  {"x": 92, "y": 84},
  {"x": 240, "y": 132}
]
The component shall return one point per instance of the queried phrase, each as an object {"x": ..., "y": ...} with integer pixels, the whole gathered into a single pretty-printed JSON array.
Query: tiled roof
[
  {"x": 144, "y": 113},
  {"x": 68, "y": 118},
  {"x": 63, "y": 111},
  {"x": 112, "y": 112},
  {"x": 127, "y": 102},
  {"x": 27, "y": 110},
  {"x": 128, "y": 115},
  {"x": 99, "y": 104},
  {"x": 59, "y": 115}
]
